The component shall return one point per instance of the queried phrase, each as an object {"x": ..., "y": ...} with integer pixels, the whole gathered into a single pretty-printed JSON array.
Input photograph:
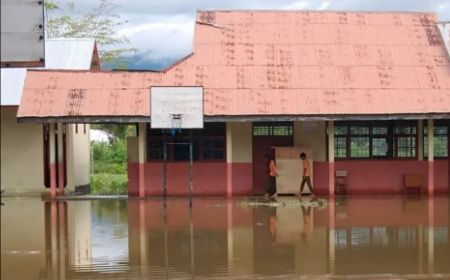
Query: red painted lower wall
[
  {"x": 386, "y": 176},
  {"x": 320, "y": 177},
  {"x": 209, "y": 178},
  {"x": 242, "y": 178},
  {"x": 441, "y": 176}
]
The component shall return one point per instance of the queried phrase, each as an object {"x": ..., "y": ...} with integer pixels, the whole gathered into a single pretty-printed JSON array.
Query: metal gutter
[{"x": 241, "y": 118}]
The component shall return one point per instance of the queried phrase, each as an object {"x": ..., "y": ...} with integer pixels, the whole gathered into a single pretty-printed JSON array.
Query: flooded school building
[
  {"x": 359, "y": 90},
  {"x": 366, "y": 95}
]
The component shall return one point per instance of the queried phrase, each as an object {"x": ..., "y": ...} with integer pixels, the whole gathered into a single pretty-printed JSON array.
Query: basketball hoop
[
  {"x": 173, "y": 109},
  {"x": 177, "y": 120}
]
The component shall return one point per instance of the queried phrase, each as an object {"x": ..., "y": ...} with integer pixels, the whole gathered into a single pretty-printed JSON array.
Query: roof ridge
[{"x": 314, "y": 11}]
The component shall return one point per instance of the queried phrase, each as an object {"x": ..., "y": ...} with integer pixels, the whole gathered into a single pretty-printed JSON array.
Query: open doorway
[{"x": 267, "y": 135}]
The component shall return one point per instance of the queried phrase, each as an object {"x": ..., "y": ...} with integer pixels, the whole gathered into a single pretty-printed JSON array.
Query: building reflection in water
[{"x": 217, "y": 237}]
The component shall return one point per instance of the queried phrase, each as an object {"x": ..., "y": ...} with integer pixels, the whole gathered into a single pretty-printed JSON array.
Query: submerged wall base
[{"x": 212, "y": 178}]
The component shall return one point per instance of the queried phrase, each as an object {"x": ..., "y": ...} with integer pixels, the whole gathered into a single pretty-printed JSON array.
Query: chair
[
  {"x": 412, "y": 181},
  {"x": 341, "y": 181}
]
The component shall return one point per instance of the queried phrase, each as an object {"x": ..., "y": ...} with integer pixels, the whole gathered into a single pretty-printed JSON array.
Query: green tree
[{"x": 100, "y": 23}]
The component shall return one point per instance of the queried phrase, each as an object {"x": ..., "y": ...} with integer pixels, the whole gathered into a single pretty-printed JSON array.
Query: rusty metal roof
[
  {"x": 60, "y": 53},
  {"x": 284, "y": 63}
]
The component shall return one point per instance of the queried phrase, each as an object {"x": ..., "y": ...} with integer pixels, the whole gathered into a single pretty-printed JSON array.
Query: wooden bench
[{"x": 413, "y": 181}]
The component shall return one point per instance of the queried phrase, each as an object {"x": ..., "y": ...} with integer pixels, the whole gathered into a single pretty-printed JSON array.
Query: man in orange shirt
[
  {"x": 306, "y": 174},
  {"x": 272, "y": 174}
]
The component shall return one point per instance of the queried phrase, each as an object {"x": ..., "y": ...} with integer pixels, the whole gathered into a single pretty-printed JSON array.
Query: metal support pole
[
  {"x": 52, "y": 160},
  {"x": 430, "y": 228},
  {"x": 191, "y": 231},
  {"x": 60, "y": 158},
  {"x": 190, "y": 169},
  {"x": 166, "y": 253},
  {"x": 165, "y": 169}
]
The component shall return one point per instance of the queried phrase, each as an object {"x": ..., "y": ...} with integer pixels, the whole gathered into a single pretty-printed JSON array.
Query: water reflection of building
[
  {"x": 401, "y": 235},
  {"x": 72, "y": 249},
  {"x": 22, "y": 238},
  {"x": 221, "y": 238},
  {"x": 80, "y": 233}
]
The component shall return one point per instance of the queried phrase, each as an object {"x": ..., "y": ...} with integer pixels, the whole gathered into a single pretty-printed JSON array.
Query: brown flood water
[{"x": 390, "y": 237}]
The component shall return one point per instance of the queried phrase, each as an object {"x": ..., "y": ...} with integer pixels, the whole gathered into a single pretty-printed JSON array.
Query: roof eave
[{"x": 240, "y": 118}]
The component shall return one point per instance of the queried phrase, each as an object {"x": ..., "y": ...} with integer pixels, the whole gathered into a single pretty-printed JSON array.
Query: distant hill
[{"x": 139, "y": 62}]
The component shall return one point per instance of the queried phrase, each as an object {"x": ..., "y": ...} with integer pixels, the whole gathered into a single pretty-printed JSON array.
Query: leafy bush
[
  {"x": 110, "y": 158},
  {"x": 110, "y": 162},
  {"x": 108, "y": 184}
]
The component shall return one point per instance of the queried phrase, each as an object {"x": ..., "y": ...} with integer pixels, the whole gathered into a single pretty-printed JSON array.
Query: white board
[
  {"x": 290, "y": 169},
  {"x": 169, "y": 101},
  {"x": 22, "y": 33}
]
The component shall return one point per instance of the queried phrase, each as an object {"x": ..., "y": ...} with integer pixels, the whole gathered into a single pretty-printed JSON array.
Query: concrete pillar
[
  {"x": 331, "y": 236},
  {"x": 430, "y": 235},
  {"x": 420, "y": 140},
  {"x": 230, "y": 243},
  {"x": 229, "y": 159},
  {"x": 239, "y": 155},
  {"x": 143, "y": 246},
  {"x": 142, "y": 143},
  {"x": 420, "y": 249},
  {"x": 330, "y": 133},
  {"x": 60, "y": 162},
  {"x": 54, "y": 236},
  {"x": 52, "y": 160},
  {"x": 430, "y": 157},
  {"x": 62, "y": 240}
]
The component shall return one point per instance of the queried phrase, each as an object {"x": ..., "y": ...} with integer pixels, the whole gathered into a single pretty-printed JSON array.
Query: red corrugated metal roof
[{"x": 276, "y": 63}]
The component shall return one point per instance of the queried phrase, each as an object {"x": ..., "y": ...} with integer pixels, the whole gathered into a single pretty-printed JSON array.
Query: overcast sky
[{"x": 162, "y": 30}]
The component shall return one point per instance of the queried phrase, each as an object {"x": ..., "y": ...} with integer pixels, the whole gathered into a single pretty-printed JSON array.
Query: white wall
[
  {"x": 311, "y": 134},
  {"x": 239, "y": 142},
  {"x": 78, "y": 156},
  {"x": 22, "y": 158}
]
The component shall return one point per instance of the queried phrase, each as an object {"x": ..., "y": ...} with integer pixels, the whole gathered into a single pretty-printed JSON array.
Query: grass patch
[
  {"x": 109, "y": 184},
  {"x": 110, "y": 168},
  {"x": 110, "y": 157}
]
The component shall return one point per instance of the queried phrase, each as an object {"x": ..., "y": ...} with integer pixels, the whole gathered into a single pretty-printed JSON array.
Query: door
[{"x": 265, "y": 137}]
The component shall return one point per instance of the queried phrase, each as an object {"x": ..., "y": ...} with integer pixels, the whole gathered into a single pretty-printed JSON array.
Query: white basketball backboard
[
  {"x": 22, "y": 33},
  {"x": 176, "y": 107}
]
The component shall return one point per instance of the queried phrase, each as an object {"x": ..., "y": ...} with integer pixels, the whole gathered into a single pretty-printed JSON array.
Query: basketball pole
[
  {"x": 165, "y": 168},
  {"x": 190, "y": 168}
]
